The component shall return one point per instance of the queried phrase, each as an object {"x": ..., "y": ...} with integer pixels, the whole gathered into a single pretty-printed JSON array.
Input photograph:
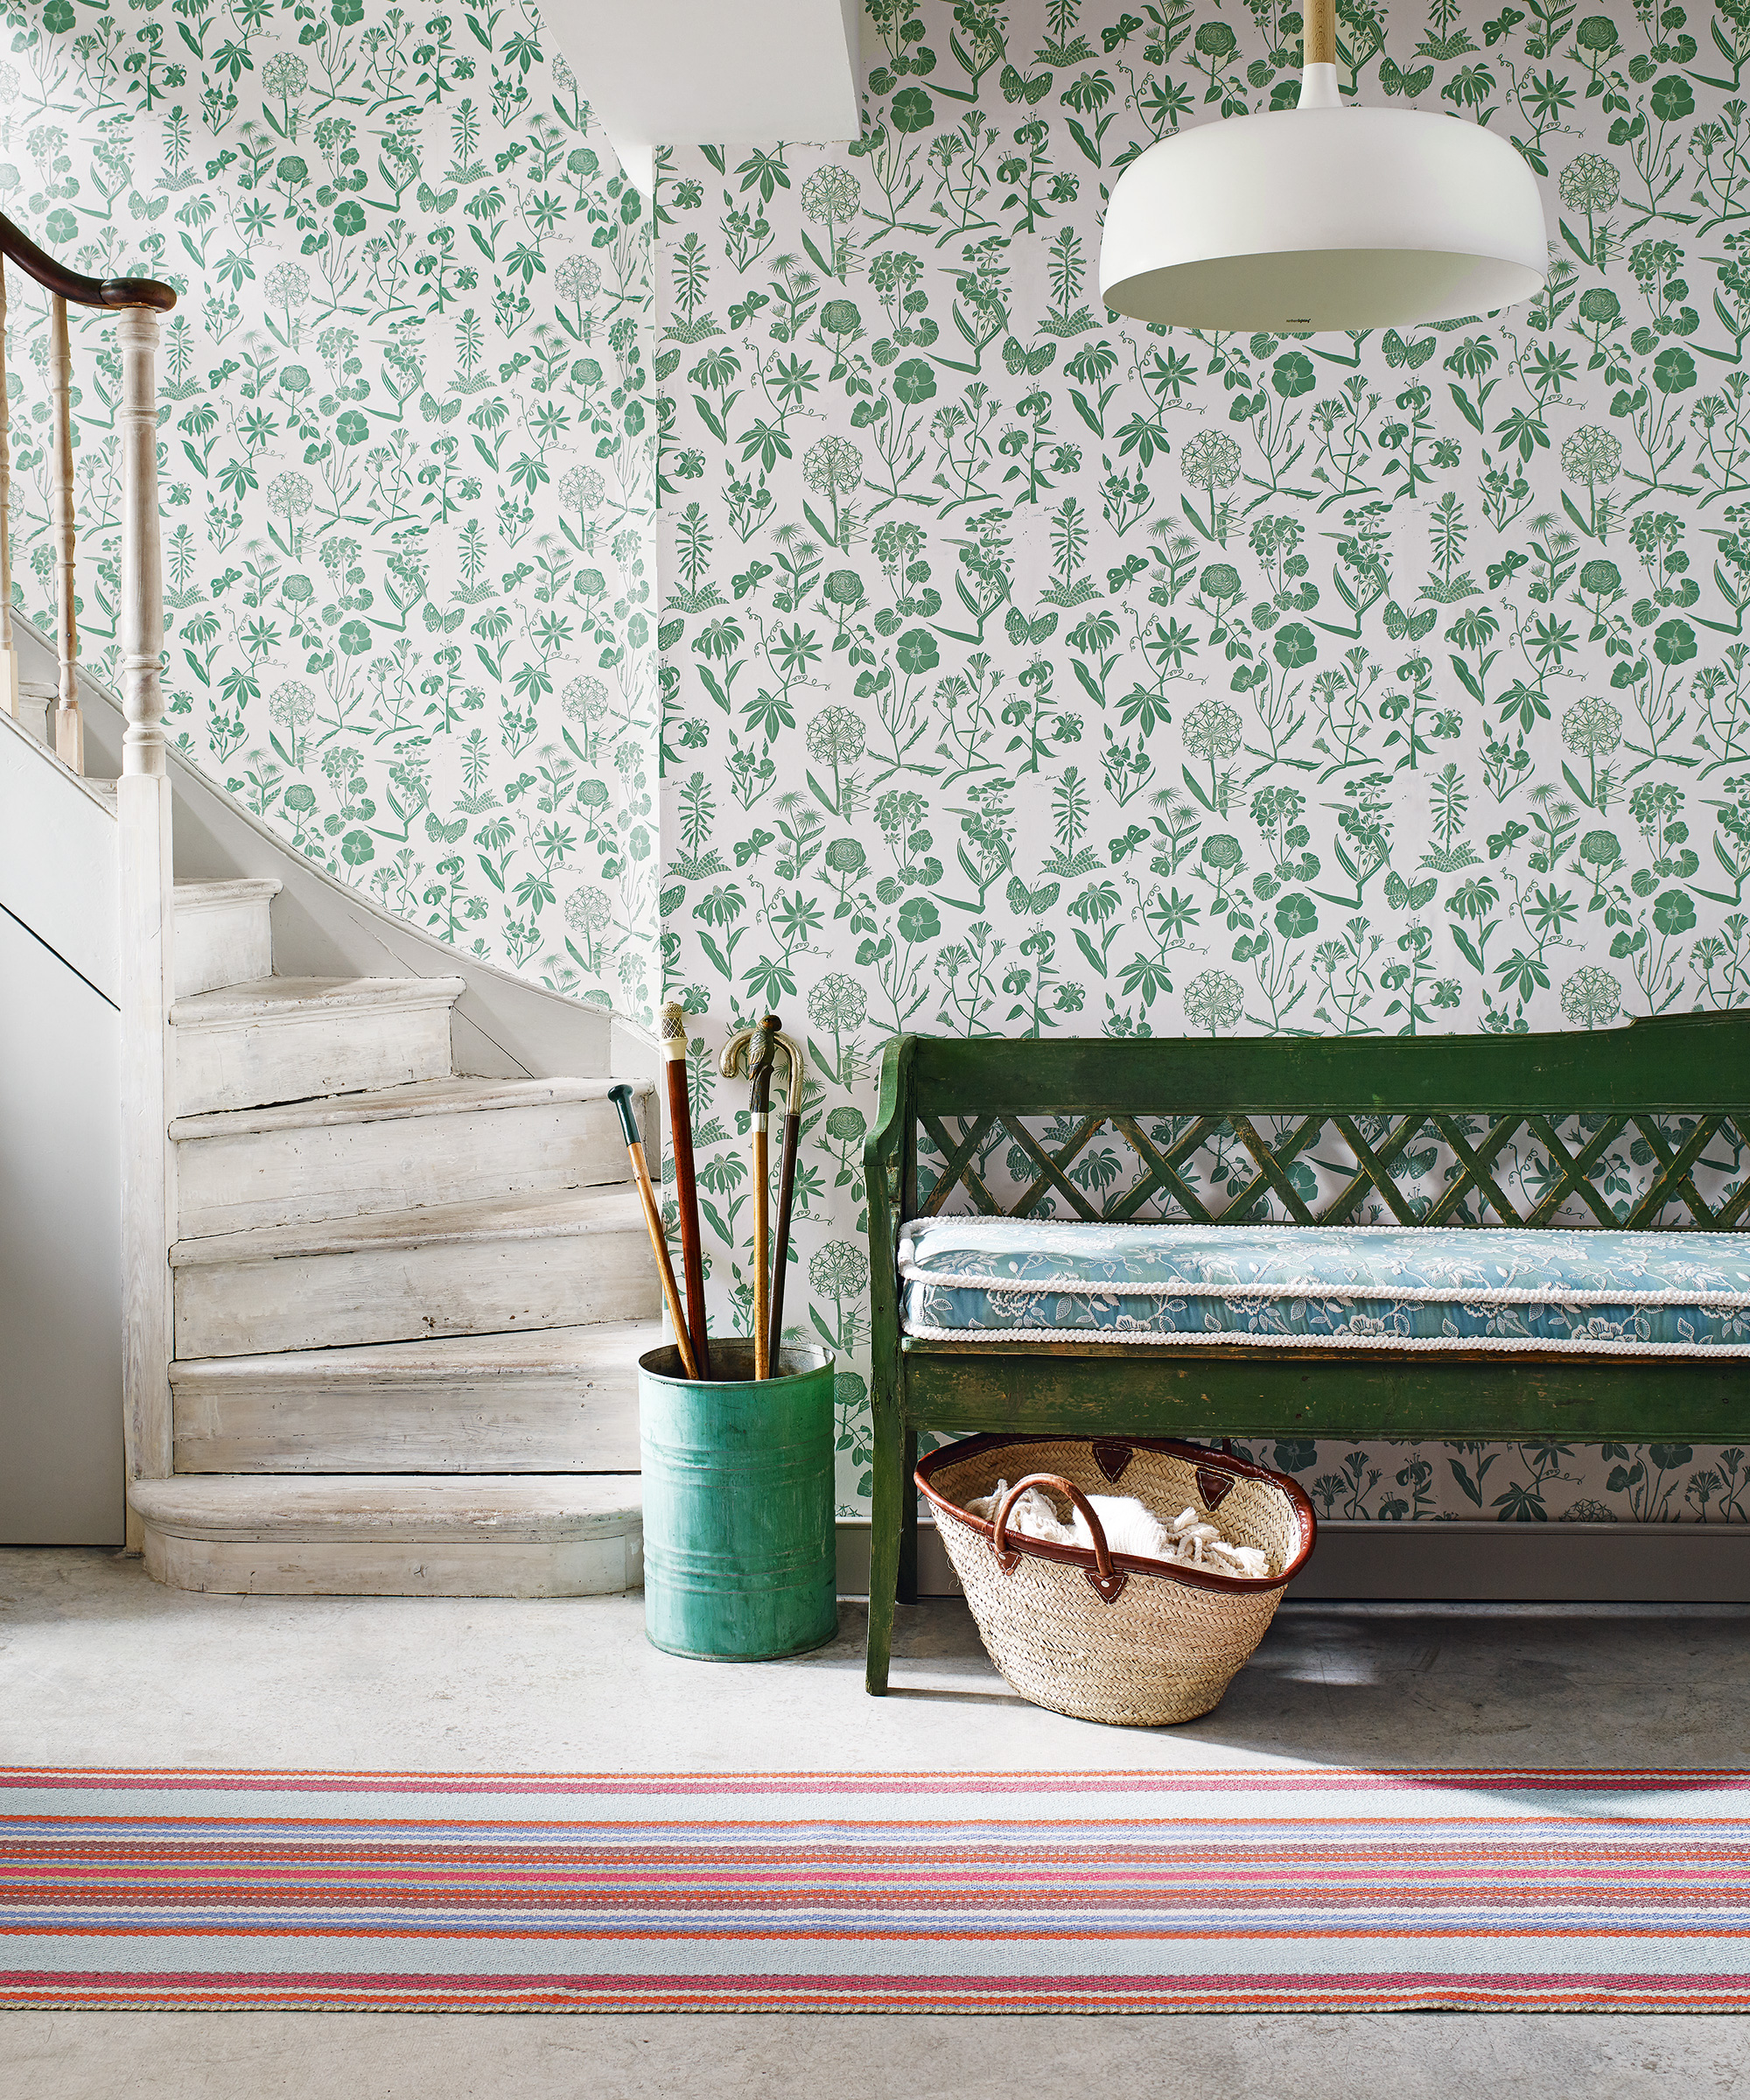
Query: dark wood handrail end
[
  {"x": 54, "y": 276},
  {"x": 135, "y": 292}
]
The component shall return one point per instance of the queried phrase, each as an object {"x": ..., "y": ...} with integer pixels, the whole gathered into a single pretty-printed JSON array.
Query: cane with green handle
[{"x": 621, "y": 1098}]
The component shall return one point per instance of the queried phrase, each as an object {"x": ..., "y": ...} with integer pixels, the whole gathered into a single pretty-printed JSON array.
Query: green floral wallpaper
[
  {"x": 1016, "y": 670},
  {"x": 1025, "y": 671},
  {"x": 409, "y": 452}
]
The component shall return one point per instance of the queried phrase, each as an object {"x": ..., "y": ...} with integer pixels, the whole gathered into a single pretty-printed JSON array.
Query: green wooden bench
[{"x": 1676, "y": 1090}]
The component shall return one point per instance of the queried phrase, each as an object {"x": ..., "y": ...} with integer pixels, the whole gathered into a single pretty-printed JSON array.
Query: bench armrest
[{"x": 887, "y": 1170}]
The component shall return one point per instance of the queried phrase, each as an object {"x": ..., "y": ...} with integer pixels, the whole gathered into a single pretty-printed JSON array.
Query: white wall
[{"x": 60, "y": 1253}]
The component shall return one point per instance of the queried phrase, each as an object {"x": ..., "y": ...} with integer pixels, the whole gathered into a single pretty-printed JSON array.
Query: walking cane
[
  {"x": 674, "y": 1039},
  {"x": 762, "y": 1056},
  {"x": 786, "y": 1189},
  {"x": 752, "y": 1050},
  {"x": 621, "y": 1098}
]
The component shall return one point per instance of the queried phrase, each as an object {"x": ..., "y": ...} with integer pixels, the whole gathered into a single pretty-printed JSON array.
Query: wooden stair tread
[
  {"x": 564, "y": 1214},
  {"x": 271, "y": 997},
  {"x": 418, "y": 1097},
  {"x": 540, "y": 1400},
  {"x": 486, "y": 1508},
  {"x": 604, "y": 1347},
  {"x": 203, "y": 892}
]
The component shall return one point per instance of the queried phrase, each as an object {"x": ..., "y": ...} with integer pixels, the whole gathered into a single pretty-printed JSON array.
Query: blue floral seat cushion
[{"x": 1351, "y": 1287}]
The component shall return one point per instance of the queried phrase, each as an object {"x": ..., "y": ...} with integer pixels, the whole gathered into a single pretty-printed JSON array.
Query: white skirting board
[{"x": 1456, "y": 1562}]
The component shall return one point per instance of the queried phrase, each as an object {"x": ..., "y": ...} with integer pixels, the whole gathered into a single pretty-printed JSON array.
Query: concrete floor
[{"x": 98, "y": 1665}]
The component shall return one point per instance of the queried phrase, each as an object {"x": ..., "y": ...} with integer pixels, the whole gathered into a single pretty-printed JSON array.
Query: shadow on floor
[{"x": 1628, "y": 1686}]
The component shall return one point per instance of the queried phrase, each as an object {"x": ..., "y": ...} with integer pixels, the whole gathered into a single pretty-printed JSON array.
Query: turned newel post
[
  {"x": 143, "y": 743},
  {"x": 148, "y": 921}
]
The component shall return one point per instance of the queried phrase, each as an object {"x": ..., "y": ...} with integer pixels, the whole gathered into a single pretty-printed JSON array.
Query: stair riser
[
  {"x": 244, "y": 1064},
  {"x": 591, "y": 1567},
  {"x": 331, "y": 1300},
  {"x": 344, "y": 1170},
  {"x": 570, "y": 1423},
  {"x": 222, "y": 944}
]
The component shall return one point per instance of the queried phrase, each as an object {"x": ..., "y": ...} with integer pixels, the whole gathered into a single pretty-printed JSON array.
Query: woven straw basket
[{"x": 1110, "y": 1636}]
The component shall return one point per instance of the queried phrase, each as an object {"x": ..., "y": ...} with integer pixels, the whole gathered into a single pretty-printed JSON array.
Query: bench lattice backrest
[
  {"x": 1125, "y": 1169},
  {"x": 1644, "y": 1129}
]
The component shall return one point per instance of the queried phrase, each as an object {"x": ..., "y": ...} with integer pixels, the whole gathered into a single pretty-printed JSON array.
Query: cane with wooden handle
[
  {"x": 621, "y": 1098},
  {"x": 786, "y": 1189},
  {"x": 734, "y": 1060},
  {"x": 749, "y": 1052},
  {"x": 673, "y": 1041}
]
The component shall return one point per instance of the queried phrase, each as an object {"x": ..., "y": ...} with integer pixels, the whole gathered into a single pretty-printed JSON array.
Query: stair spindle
[
  {"x": 69, "y": 725},
  {"x": 9, "y": 654}
]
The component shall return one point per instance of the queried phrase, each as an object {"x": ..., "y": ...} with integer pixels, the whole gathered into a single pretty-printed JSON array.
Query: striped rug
[{"x": 1050, "y": 1892}]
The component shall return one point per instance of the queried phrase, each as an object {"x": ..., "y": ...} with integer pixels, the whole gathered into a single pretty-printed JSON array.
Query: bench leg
[
  {"x": 908, "y": 1520},
  {"x": 885, "y": 1521}
]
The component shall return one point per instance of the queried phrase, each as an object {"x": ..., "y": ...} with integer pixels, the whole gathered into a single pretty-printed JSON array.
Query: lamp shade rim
[
  {"x": 1475, "y": 284},
  {"x": 1285, "y": 191}
]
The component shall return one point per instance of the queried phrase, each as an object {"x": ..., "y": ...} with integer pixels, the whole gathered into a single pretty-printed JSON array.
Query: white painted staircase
[{"x": 408, "y": 1304}]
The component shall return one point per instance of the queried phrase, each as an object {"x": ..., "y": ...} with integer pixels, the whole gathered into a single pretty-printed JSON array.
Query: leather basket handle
[{"x": 1105, "y": 1579}]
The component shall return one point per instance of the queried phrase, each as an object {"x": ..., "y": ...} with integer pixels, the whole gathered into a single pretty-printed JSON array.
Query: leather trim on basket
[
  {"x": 1081, "y": 1557},
  {"x": 1213, "y": 1486},
  {"x": 1107, "y": 1590},
  {"x": 1007, "y": 1561},
  {"x": 1112, "y": 1457}
]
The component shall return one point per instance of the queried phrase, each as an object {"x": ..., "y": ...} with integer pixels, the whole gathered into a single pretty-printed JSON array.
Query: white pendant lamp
[{"x": 1323, "y": 217}]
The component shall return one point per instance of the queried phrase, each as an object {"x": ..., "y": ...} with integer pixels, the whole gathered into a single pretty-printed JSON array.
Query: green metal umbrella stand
[{"x": 740, "y": 1557}]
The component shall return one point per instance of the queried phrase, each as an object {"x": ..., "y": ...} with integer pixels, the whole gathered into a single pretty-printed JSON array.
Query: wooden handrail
[
  {"x": 17, "y": 247},
  {"x": 136, "y": 302}
]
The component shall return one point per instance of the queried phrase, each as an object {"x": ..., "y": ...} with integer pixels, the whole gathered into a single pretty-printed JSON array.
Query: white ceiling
[{"x": 712, "y": 72}]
